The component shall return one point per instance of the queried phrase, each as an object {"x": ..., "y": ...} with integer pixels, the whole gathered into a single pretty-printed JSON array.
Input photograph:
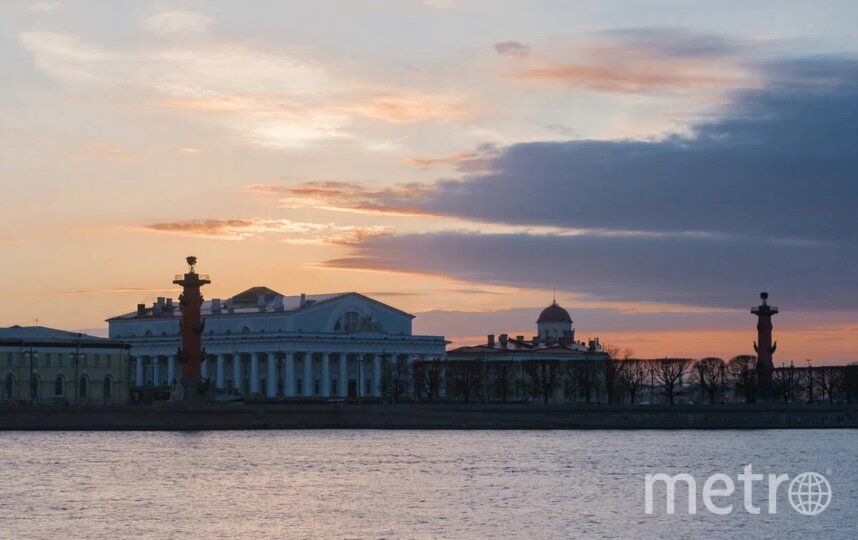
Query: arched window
[
  {"x": 59, "y": 385},
  {"x": 83, "y": 387},
  {"x": 245, "y": 329},
  {"x": 9, "y": 387},
  {"x": 351, "y": 320},
  {"x": 34, "y": 386},
  {"x": 107, "y": 392}
]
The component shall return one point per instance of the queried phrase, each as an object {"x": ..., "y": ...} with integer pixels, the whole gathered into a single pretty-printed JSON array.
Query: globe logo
[{"x": 809, "y": 493}]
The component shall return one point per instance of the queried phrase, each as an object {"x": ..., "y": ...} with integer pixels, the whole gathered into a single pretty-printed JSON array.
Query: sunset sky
[{"x": 658, "y": 163}]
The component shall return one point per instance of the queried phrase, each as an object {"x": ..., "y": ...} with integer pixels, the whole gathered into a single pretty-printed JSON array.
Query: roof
[
  {"x": 245, "y": 303},
  {"x": 42, "y": 335},
  {"x": 554, "y": 313}
]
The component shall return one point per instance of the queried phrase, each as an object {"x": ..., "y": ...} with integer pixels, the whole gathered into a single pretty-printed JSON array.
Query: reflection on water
[{"x": 395, "y": 484}]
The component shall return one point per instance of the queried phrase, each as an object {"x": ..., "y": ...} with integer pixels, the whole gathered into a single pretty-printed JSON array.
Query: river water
[{"x": 409, "y": 484}]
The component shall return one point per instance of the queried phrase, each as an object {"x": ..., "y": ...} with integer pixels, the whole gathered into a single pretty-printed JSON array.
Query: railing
[{"x": 201, "y": 277}]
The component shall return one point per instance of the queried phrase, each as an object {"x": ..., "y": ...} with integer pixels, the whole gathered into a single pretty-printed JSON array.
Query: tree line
[{"x": 621, "y": 379}]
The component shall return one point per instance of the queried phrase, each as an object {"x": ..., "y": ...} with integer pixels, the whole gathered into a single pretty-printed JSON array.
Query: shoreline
[{"x": 424, "y": 416}]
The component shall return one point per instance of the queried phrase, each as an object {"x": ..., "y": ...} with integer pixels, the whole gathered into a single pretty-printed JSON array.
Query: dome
[{"x": 554, "y": 313}]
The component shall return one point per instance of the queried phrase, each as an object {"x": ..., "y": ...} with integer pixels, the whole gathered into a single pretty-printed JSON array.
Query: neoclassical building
[
  {"x": 262, "y": 343},
  {"x": 519, "y": 368},
  {"x": 46, "y": 365}
]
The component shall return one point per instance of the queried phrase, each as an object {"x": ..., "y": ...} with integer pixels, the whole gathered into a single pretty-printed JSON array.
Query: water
[{"x": 401, "y": 484}]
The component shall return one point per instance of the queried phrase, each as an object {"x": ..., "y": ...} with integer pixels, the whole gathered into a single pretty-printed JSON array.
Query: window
[
  {"x": 316, "y": 387},
  {"x": 245, "y": 330},
  {"x": 9, "y": 386},
  {"x": 47, "y": 359},
  {"x": 367, "y": 387},
  {"x": 83, "y": 387},
  {"x": 34, "y": 387},
  {"x": 59, "y": 385},
  {"x": 351, "y": 320},
  {"x": 333, "y": 387},
  {"x": 299, "y": 386},
  {"x": 95, "y": 360},
  {"x": 9, "y": 359},
  {"x": 107, "y": 392},
  {"x": 59, "y": 359}
]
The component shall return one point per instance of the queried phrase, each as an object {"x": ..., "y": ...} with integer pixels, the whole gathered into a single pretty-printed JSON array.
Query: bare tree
[
  {"x": 543, "y": 377},
  {"x": 708, "y": 372},
  {"x": 669, "y": 373},
  {"x": 396, "y": 378},
  {"x": 785, "y": 383},
  {"x": 464, "y": 378},
  {"x": 742, "y": 371},
  {"x": 633, "y": 376},
  {"x": 428, "y": 378},
  {"x": 585, "y": 375},
  {"x": 502, "y": 377},
  {"x": 828, "y": 382},
  {"x": 612, "y": 371},
  {"x": 850, "y": 382}
]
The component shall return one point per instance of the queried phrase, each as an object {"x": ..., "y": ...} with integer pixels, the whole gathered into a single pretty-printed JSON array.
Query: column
[
  {"x": 376, "y": 375},
  {"x": 289, "y": 375},
  {"x": 156, "y": 370},
  {"x": 220, "y": 376},
  {"x": 442, "y": 387},
  {"x": 254, "y": 373},
  {"x": 326, "y": 375},
  {"x": 236, "y": 372},
  {"x": 308, "y": 374},
  {"x": 344, "y": 375},
  {"x": 138, "y": 372},
  {"x": 271, "y": 377},
  {"x": 171, "y": 368}
]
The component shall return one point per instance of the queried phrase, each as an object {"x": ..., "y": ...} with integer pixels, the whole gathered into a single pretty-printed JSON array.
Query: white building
[{"x": 261, "y": 343}]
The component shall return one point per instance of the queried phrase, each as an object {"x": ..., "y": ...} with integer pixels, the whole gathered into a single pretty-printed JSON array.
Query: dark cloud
[
  {"x": 677, "y": 42},
  {"x": 763, "y": 197},
  {"x": 716, "y": 272},
  {"x": 780, "y": 163},
  {"x": 512, "y": 48}
]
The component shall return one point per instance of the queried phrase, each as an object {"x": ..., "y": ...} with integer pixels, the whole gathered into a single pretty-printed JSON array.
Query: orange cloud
[
  {"x": 399, "y": 199},
  {"x": 411, "y": 108},
  {"x": 446, "y": 160},
  {"x": 293, "y": 232}
]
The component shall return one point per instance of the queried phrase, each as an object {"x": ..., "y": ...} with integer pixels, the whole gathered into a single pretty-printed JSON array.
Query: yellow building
[{"x": 45, "y": 365}]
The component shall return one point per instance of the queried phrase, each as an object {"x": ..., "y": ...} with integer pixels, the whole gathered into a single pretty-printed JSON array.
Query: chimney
[
  {"x": 278, "y": 303},
  {"x": 260, "y": 301},
  {"x": 303, "y": 300},
  {"x": 490, "y": 340},
  {"x": 536, "y": 341},
  {"x": 504, "y": 339},
  {"x": 215, "y": 305},
  {"x": 230, "y": 305},
  {"x": 519, "y": 338},
  {"x": 141, "y": 309},
  {"x": 170, "y": 305},
  {"x": 567, "y": 337}
]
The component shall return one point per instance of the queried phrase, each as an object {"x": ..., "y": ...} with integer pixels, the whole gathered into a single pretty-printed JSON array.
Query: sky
[{"x": 657, "y": 164}]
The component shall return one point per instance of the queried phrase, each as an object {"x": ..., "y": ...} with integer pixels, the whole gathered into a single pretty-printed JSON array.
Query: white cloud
[{"x": 178, "y": 22}]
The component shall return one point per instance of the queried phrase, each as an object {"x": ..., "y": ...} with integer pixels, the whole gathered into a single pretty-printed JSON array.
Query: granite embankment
[{"x": 231, "y": 416}]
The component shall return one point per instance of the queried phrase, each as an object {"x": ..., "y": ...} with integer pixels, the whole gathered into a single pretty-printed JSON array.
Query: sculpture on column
[{"x": 191, "y": 353}]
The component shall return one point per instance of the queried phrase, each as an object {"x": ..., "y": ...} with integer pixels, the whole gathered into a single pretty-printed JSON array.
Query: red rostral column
[
  {"x": 191, "y": 352},
  {"x": 764, "y": 346}
]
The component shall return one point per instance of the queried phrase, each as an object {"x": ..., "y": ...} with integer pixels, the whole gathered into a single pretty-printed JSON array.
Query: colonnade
[{"x": 279, "y": 374}]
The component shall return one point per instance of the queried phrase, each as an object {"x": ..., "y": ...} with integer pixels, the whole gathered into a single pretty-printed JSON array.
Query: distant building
[
  {"x": 55, "y": 366},
  {"x": 262, "y": 343},
  {"x": 542, "y": 367}
]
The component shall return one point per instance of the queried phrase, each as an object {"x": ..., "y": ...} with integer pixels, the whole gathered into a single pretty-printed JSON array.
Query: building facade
[
  {"x": 262, "y": 344},
  {"x": 45, "y": 365},
  {"x": 551, "y": 366}
]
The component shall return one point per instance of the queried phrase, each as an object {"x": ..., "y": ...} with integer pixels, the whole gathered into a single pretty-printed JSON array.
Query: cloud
[
  {"x": 178, "y": 22},
  {"x": 347, "y": 196},
  {"x": 714, "y": 272},
  {"x": 645, "y": 61},
  {"x": 512, "y": 49},
  {"x": 44, "y": 6},
  {"x": 270, "y": 97},
  {"x": 101, "y": 150},
  {"x": 454, "y": 159},
  {"x": 760, "y": 198},
  {"x": 289, "y": 231}
]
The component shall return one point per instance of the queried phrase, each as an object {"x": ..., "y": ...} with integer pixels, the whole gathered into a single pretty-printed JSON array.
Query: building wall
[{"x": 49, "y": 362}]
